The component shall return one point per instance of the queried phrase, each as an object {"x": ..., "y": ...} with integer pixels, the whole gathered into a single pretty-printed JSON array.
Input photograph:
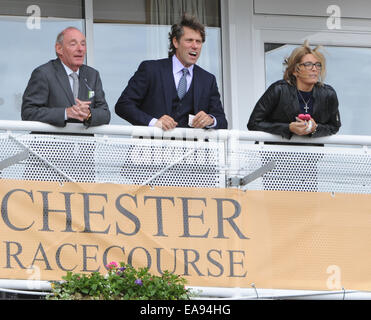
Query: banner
[{"x": 212, "y": 237}]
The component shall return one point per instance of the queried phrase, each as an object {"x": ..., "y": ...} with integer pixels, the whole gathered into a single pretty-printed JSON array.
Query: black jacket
[{"x": 279, "y": 106}]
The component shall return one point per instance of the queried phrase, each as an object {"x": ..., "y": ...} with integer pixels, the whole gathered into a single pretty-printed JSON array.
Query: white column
[{"x": 89, "y": 32}]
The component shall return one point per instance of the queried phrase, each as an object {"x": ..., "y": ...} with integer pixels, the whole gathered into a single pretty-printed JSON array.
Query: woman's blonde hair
[{"x": 293, "y": 61}]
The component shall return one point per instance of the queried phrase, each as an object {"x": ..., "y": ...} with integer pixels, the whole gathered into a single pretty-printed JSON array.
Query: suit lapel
[
  {"x": 62, "y": 77},
  {"x": 168, "y": 83},
  {"x": 196, "y": 89},
  {"x": 83, "y": 88}
]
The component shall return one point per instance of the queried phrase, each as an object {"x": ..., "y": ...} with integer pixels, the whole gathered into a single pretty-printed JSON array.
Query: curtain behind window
[{"x": 168, "y": 12}]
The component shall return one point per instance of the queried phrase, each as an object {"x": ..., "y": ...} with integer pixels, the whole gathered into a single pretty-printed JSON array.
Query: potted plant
[{"x": 122, "y": 282}]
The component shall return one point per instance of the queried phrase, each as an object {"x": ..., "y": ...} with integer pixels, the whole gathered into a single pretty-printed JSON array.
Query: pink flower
[
  {"x": 112, "y": 265},
  {"x": 305, "y": 117}
]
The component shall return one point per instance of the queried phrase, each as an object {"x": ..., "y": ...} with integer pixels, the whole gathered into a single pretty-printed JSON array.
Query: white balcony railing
[
  {"x": 190, "y": 158},
  {"x": 183, "y": 157}
]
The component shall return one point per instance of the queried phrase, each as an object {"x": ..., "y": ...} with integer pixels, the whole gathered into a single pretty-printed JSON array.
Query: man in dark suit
[
  {"x": 60, "y": 91},
  {"x": 164, "y": 93},
  {"x": 65, "y": 90}
]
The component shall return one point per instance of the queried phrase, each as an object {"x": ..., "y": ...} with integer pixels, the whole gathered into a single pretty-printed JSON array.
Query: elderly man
[
  {"x": 174, "y": 92},
  {"x": 65, "y": 90}
]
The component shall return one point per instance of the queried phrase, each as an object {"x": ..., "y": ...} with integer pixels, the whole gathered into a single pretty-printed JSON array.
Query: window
[
  {"x": 47, "y": 8},
  {"x": 28, "y": 43},
  {"x": 164, "y": 12},
  {"x": 125, "y": 35}
]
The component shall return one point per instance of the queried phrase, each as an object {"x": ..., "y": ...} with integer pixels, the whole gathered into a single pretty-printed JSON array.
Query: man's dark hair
[{"x": 177, "y": 30}]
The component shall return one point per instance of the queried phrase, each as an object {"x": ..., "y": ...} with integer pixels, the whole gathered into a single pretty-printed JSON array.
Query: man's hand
[
  {"x": 166, "y": 123},
  {"x": 79, "y": 111},
  {"x": 202, "y": 120}
]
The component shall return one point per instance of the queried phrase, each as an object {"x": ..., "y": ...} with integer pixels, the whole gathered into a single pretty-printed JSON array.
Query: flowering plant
[{"x": 121, "y": 282}]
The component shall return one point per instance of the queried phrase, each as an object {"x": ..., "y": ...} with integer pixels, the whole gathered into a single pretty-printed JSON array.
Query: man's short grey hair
[{"x": 60, "y": 36}]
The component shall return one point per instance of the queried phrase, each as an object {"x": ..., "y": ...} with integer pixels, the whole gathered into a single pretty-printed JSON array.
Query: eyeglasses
[{"x": 309, "y": 65}]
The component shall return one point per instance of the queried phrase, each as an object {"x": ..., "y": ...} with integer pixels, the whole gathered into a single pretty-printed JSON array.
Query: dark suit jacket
[
  {"x": 49, "y": 93},
  {"x": 149, "y": 94}
]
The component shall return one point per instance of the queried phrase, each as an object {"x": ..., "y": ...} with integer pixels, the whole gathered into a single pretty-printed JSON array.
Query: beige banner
[{"x": 212, "y": 237}]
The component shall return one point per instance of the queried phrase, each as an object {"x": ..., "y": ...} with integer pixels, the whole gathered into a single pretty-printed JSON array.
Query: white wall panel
[{"x": 318, "y": 8}]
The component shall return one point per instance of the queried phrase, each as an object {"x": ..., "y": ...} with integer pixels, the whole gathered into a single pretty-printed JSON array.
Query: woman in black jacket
[{"x": 301, "y": 103}]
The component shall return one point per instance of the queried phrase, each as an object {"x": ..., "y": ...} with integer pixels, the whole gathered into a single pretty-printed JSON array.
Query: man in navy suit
[{"x": 164, "y": 93}]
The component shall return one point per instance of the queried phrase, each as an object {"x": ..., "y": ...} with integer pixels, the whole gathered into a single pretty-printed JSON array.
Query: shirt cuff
[
  {"x": 152, "y": 122},
  {"x": 214, "y": 124}
]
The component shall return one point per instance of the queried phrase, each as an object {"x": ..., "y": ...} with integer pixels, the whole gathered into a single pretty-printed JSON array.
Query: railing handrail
[{"x": 188, "y": 133}]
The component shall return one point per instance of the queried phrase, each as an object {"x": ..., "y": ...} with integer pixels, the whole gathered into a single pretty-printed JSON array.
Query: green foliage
[{"x": 120, "y": 283}]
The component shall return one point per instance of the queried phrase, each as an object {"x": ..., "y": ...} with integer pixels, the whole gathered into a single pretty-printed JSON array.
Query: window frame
[{"x": 294, "y": 30}]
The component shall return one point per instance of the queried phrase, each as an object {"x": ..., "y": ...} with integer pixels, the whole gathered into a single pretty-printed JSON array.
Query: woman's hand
[{"x": 303, "y": 127}]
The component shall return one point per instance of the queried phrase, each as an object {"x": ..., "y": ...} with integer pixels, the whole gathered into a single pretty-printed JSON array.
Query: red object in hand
[{"x": 305, "y": 117}]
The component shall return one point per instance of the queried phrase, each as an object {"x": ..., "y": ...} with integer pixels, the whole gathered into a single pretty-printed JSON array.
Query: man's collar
[
  {"x": 68, "y": 70},
  {"x": 178, "y": 66}
]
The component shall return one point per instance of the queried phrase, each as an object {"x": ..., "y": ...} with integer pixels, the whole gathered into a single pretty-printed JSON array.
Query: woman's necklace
[{"x": 306, "y": 108}]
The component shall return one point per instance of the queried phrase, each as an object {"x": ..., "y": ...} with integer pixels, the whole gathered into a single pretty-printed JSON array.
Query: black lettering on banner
[
  {"x": 232, "y": 263},
  {"x": 58, "y": 255},
  {"x": 215, "y": 263},
  {"x": 221, "y": 217},
  {"x": 127, "y": 214},
  {"x": 14, "y": 255},
  {"x": 193, "y": 263},
  {"x": 87, "y": 212},
  {"x": 160, "y": 226},
  {"x": 187, "y": 217},
  {"x": 44, "y": 258},
  {"x": 131, "y": 254},
  {"x": 105, "y": 253},
  {"x": 85, "y": 257},
  {"x": 211, "y": 262},
  {"x": 5, "y": 213},
  {"x": 46, "y": 211},
  {"x": 158, "y": 260}
]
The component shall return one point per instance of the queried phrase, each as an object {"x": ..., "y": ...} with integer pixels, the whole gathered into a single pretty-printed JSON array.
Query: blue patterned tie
[{"x": 182, "y": 87}]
